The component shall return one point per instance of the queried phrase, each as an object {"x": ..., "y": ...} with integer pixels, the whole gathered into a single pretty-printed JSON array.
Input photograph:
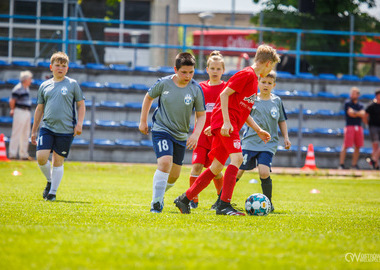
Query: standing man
[
  {"x": 372, "y": 118},
  {"x": 20, "y": 104},
  {"x": 353, "y": 132}
]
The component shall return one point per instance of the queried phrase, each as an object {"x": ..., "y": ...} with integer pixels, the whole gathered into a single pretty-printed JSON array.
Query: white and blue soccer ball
[{"x": 257, "y": 204}]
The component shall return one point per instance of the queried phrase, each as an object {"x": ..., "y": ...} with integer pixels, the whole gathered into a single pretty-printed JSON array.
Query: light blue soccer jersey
[
  {"x": 267, "y": 114},
  {"x": 175, "y": 106},
  {"x": 59, "y": 99}
]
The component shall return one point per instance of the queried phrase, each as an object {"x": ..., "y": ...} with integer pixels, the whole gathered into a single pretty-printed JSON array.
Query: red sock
[
  {"x": 200, "y": 184},
  {"x": 229, "y": 183},
  {"x": 192, "y": 180},
  {"x": 218, "y": 184}
]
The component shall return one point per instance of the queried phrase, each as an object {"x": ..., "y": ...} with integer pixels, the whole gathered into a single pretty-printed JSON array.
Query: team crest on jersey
[
  {"x": 188, "y": 99},
  {"x": 64, "y": 90},
  {"x": 237, "y": 144},
  {"x": 165, "y": 92},
  {"x": 251, "y": 99},
  {"x": 273, "y": 112}
]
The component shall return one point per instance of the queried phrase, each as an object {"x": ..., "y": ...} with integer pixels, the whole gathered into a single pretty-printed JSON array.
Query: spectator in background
[
  {"x": 20, "y": 104},
  {"x": 372, "y": 119},
  {"x": 353, "y": 132}
]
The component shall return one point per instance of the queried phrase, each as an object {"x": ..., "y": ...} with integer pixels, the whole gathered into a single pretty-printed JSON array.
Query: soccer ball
[{"x": 257, "y": 204}]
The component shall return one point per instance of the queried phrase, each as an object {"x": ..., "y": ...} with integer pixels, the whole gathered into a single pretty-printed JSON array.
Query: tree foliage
[{"x": 325, "y": 15}]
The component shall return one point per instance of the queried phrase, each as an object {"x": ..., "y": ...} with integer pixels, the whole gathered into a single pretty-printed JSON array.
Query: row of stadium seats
[
  {"x": 297, "y": 93},
  {"x": 326, "y": 76},
  {"x": 325, "y": 149},
  {"x": 322, "y": 131}
]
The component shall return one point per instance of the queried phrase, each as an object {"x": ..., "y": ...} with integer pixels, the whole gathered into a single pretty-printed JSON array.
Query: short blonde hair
[
  {"x": 355, "y": 89},
  {"x": 24, "y": 75},
  {"x": 266, "y": 53},
  {"x": 271, "y": 74},
  {"x": 216, "y": 56},
  {"x": 60, "y": 57}
]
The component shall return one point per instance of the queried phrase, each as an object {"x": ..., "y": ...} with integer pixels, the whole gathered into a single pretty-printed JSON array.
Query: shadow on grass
[{"x": 62, "y": 201}]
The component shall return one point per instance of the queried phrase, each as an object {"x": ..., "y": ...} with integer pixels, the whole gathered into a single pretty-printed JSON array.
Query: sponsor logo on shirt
[
  {"x": 237, "y": 144},
  {"x": 210, "y": 107},
  {"x": 251, "y": 99},
  {"x": 64, "y": 90},
  {"x": 64, "y": 152},
  {"x": 188, "y": 99},
  {"x": 273, "y": 112}
]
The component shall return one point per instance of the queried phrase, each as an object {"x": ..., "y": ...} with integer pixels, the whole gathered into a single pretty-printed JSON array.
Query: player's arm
[
  {"x": 36, "y": 122},
  {"x": 81, "y": 106},
  {"x": 12, "y": 105},
  {"x": 284, "y": 131},
  {"x": 147, "y": 104},
  {"x": 265, "y": 136},
  {"x": 365, "y": 118},
  {"x": 355, "y": 114},
  {"x": 200, "y": 122},
  {"x": 227, "y": 127}
]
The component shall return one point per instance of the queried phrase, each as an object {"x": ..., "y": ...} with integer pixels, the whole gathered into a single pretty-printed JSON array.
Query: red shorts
[
  {"x": 222, "y": 146},
  {"x": 200, "y": 155},
  {"x": 353, "y": 136}
]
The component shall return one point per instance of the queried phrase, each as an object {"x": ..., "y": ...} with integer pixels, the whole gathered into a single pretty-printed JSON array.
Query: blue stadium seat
[
  {"x": 367, "y": 96},
  {"x": 285, "y": 75},
  {"x": 282, "y": 93},
  {"x": 326, "y": 95},
  {"x": 294, "y": 148},
  {"x": 130, "y": 124},
  {"x": 139, "y": 86},
  {"x": 146, "y": 143},
  {"x": 164, "y": 69},
  {"x": 107, "y": 123},
  {"x": 127, "y": 143},
  {"x": 133, "y": 105},
  {"x": 95, "y": 66},
  {"x": 91, "y": 85},
  {"x": 369, "y": 78},
  {"x": 43, "y": 64},
  {"x": 2, "y": 82},
  {"x": 78, "y": 141},
  {"x": 88, "y": 103},
  {"x": 302, "y": 93},
  {"x": 34, "y": 101},
  {"x": 13, "y": 81},
  {"x": 87, "y": 123},
  {"x": 76, "y": 66},
  {"x": 306, "y": 76},
  {"x": 119, "y": 67},
  {"x": 344, "y": 95},
  {"x": 6, "y": 119},
  {"x": 111, "y": 104},
  {"x": 325, "y": 131},
  {"x": 104, "y": 142},
  {"x": 366, "y": 150},
  {"x": 145, "y": 69},
  {"x": 37, "y": 82},
  {"x": 4, "y": 63},
  {"x": 232, "y": 72},
  {"x": 199, "y": 72},
  {"x": 348, "y": 77},
  {"x": 4, "y": 99},
  {"x": 327, "y": 76},
  {"x": 324, "y": 149},
  {"x": 304, "y": 130},
  {"x": 22, "y": 64},
  {"x": 325, "y": 112},
  {"x": 116, "y": 85},
  {"x": 304, "y": 111},
  {"x": 366, "y": 132}
]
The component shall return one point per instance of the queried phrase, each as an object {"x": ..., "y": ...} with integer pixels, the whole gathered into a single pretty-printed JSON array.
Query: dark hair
[
  {"x": 184, "y": 59},
  {"x": 377, "y": 92}
]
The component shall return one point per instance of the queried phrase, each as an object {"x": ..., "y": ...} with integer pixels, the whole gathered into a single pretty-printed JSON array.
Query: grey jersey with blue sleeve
[
  {"x": 267, "y": 114},
  {"x": 175, "y": 106},
  {"x": 59, "y": 100}
]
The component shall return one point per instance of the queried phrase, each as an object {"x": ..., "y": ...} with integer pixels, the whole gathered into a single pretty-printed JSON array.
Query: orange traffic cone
[
  {"x": 3, "y": 150},
  {"x": 310, "y": 159}
]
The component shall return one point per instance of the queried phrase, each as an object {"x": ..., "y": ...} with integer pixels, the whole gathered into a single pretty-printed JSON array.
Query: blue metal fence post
[
  {"x": 298, "y": 55},
  {"x": 184, "y": 46}
]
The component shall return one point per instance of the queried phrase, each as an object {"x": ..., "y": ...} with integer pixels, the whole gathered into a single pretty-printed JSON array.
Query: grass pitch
[{"x": 101, "y": 220}]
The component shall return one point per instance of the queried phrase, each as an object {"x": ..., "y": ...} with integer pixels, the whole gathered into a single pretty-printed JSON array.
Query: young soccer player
[
  {"x": 268, "y": 112},
  {"x": 178, "y": 95},
  {"x": 56, "y": 100},
  {"x": 231, "y": 111},
  {"x": 211, "y": 90}
]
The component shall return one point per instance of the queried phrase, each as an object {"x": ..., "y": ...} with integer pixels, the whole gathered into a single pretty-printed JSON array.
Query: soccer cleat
[
  {"x": 228, "y": 210},
  {"x": 341, "y": 167},
  {"x": 50, "y": 197},
  {"x": 271, "y": 208},
  {"x": 156, "y": 208},
  {"x": 355, "y": 167},
  {"x": 46, "y": 190},
  {"x": 183, "y": 207},
  {"x": 372, "y": 163},
  {"x": 215, "y": 205},
  {"x": 193, "y": 204}
]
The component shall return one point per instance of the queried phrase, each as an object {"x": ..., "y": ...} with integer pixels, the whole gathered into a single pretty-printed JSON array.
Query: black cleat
[
  {"x": 216, "y": 204},
  {"x": 46, "y": 190},
  {"x": 50, "y": 197},
  {"x": 183, "y": 207},
  {"x": 271, "y": 208},
  {"x": 228, "y": 210},
  {"x": 156, "y": 208}
]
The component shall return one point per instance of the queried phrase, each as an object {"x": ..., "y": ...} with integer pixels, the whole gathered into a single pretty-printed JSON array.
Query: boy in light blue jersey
[
  {"x": 61, "y": 121},
  {"x": 178, "y": 96},
  {"x": 268, "y": 112}
]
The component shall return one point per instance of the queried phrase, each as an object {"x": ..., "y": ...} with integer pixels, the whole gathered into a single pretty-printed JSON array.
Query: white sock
[
  {"x": 169, "y": 186},
  {"x": 56, "y": 177},
  {"x": 46, "y": 170},
  {"x": 159, "y": 184}
]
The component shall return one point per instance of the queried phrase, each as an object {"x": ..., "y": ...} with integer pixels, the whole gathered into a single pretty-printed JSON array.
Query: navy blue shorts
[
  {"x": 165, "y": 145},
  {"x": 57, "y": 142},
  {"x": 253, "y": 158}
]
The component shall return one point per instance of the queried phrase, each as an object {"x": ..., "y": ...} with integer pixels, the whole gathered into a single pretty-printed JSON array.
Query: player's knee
[{"x": 196, "y": 169}]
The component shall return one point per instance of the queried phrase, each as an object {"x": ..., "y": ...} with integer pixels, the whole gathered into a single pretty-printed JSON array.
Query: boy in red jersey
[
  {"x": 211, "y": 91},
  {"x": 231, "y": 111}
]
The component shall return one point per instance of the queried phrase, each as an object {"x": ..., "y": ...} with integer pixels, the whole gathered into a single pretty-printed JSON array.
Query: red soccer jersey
[
  {"x": 240, "y": 103},
  {"x": 211, "y": 94}
]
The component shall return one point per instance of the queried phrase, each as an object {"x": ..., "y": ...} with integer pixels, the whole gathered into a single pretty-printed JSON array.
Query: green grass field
[{"x": 101, "y": 220}]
